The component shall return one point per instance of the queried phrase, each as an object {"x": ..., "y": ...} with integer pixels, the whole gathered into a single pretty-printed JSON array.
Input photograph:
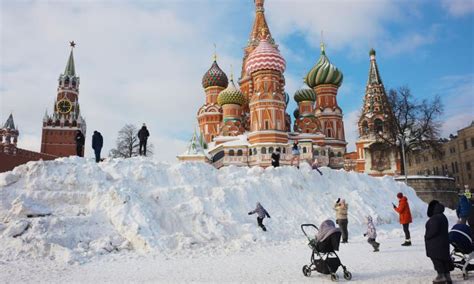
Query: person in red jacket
[{"x": 403, "y": 210}]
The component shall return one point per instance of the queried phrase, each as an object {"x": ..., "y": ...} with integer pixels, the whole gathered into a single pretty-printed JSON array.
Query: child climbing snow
[
  {"x": 261, "y": 214},
  {"x": 371, "y": 234},
  {"x": 315, "y": 166}
]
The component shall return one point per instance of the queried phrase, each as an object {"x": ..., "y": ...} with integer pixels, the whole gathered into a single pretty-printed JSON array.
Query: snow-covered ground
[{"x": 138, "y": 220}]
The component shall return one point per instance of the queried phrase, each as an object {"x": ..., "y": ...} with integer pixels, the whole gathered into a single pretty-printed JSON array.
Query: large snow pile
[{"x": 72, "y": 209}]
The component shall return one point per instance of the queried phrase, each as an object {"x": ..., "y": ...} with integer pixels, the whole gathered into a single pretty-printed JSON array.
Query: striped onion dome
[
  {"x": 296, "y": 113},
  {"x": 265, "y": 57},
  {"x": 305, "y": 95},
  {"x": 323, "y": 73},
  {"x": 215, "y": 77},
  {"x": 231, "y": 95}
]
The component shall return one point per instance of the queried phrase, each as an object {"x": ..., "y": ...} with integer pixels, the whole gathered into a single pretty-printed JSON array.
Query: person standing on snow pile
[
  {"x": 80, "y": 141},
  {"x": 403, "y": 210},
  {"x": 371, "y": 234},
  {"x": 143, "y": 135},
  {"x": 315, "y": 166},
  {"x": 341, "y": 208},
  {"x": 261, "y": 214},
  {"x": 295, "y": 151},
  {"x": 463, "y": 210},
  {"x": 276, "y": 158},
  {"x": 437, "y": 242},
  {"x": 97, "y": 143}
]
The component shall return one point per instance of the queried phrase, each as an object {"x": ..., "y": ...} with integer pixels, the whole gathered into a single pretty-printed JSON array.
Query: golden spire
[
  {"x": 215, "y": 52},
  {"x": 323, "y": 47}
]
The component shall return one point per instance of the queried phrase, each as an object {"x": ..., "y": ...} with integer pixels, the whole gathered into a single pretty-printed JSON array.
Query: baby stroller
[
  {"x": 323, "y": 257},
  {"x": 463, "y": 253}
]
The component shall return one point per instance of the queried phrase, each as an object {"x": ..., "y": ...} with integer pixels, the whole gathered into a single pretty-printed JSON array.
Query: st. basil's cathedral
[{"x": 243, "y": 126}]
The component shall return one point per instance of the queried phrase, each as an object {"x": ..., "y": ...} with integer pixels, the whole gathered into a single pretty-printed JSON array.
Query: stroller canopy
[{"x": 460, "y": 238}]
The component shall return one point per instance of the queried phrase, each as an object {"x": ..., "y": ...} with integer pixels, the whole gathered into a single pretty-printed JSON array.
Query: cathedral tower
[
  {"x": 374, "y": 155},
  {"x": 210, "y": 114},
  {"x": 265, "y": 67},
  {"x": 9, "y": 136},
  {"x": 59, "y": 129},
  {"x": 231, "y": 101},
  {"x": 325, "y": 79}
]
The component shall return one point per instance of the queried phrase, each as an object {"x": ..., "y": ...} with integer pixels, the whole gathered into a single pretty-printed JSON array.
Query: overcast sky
[{"x": 142, "y": 61}]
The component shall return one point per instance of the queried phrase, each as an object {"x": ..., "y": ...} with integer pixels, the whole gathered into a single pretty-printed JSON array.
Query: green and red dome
[{"x": 215, "y": 77}]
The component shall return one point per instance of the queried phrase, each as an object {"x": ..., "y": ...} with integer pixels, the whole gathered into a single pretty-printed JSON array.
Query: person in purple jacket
[{"x": 261, "y": 214}]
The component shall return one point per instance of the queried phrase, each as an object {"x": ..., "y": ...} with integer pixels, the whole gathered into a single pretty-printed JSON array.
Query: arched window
[
  {"x": 329, "y": 132},
  {"x": 250, "y": 152},
  {"x": 239, "y": 152},
  {"x": 323, "y": 153},
  {"x": 331, "y": 154},
  {"x": 255, "y": 151},
  {"x": 304, "y": 150},
  {"x": 316, "y": 152},
  {"x": 264, "y": 150},
  {"x": 365, "y": 128},
  {"x": 270, "y": 150},
  {"x": 266, "y": 125},
  {"x": 284, "y": 150},
  {"x": 378, "y": 125},
  {"x": 231, "y": 153},
  {"x": 339, "y": 154}
]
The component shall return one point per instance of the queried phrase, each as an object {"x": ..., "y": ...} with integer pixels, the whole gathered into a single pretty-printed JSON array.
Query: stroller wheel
[
  {"x": 334, "y": 277},
  {"x": 306, "y": 271},
  {"x": 347, "y": 275}
]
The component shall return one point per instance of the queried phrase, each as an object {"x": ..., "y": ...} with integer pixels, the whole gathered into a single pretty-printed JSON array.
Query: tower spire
[
  {"x": 215, "y": 52},
  {"x": 259, "y": 25},
  {"x": 70, "y": 68},
  {"x": 374, "y": 76},
  {"x": 323, "y": 47}
]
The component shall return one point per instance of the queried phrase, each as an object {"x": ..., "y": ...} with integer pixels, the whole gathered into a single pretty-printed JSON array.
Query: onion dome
[
  {"x": 323, "y": 72},
  {"x": 215, "y": 77},
  {"x": 265, "y": 57},
  {"x": 305, "y": 95},
  {"x": 296, "y": 113},
  {"x": 231, "y": 95}
]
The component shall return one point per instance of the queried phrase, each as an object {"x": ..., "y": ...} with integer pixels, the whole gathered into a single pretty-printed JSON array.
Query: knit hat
[{"x": 399, "y": 195}]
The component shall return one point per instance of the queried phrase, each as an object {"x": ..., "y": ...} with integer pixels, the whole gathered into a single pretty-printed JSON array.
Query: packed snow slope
[{"x": 72, "y": 209}]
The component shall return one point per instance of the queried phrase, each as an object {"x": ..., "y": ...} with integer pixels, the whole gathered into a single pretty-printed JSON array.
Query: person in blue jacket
[{"x": 463, "y": 210}]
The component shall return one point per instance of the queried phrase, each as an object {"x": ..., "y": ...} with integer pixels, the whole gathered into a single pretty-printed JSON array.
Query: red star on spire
[{"x": 72, "y": 44}]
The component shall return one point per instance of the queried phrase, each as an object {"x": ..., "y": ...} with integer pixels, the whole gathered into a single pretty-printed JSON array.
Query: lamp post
[{"x": 401, "y": 138}]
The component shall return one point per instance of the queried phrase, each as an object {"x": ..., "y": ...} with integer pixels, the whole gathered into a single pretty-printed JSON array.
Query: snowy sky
[{"x": 142, "y": 61}]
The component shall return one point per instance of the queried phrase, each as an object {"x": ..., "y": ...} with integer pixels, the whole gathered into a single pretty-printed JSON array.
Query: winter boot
[
  {"x": 439, "y": 279},
  {"x": 264, "y": 228},
  {"x": 448, "y": 278},
  {"x": 376, "y": 247},
  {"x": 407, "y": 243}
]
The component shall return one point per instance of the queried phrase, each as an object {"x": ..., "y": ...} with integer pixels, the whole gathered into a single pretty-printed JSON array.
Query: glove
[
  {"x": 338, "y": 200},
  {"x": 394, "y": 206},
  {"x": 269, "y": 216},
  {"x": 365, "y": 235},
  {"x": 250, "y": 213}
]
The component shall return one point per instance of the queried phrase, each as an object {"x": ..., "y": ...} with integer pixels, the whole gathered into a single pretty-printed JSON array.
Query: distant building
[
  {"x": 12, "y": 156},
  {"x": 455, "y": 160},
  {"x": 59, "y": 128},
  {"x": 374, "y": 154}
]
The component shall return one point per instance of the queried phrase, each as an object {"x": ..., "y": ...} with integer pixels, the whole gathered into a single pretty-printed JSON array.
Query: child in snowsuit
[
  {"x": 315, "y": 166},
  {"x": 371, "y": 234},
  {"x": 261, "y": 214},
  {"x": 437, "y": 242}
]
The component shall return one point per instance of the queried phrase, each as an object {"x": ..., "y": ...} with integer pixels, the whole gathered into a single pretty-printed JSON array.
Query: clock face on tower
[{"x": 64, "y": 106}]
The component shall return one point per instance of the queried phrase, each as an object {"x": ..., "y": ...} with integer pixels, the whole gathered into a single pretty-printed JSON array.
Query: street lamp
[{"x": 401, "y": 139}]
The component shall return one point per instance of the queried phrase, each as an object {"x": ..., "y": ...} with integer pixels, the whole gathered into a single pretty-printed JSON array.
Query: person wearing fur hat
[
  {"x": 437, "y": 242},
  {"x": 341, "y": 208},
  {"x": 403, "y": 210},
  {"x": 371, "y": 234}
]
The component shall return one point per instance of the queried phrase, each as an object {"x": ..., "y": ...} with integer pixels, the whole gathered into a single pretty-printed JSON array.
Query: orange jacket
[{"x": 404, "y": 210}]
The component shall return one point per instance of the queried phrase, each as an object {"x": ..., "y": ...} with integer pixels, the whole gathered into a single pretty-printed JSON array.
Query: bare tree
[
  {"x": 417, "y": 123},
  {"x": 128, "y": 143}
]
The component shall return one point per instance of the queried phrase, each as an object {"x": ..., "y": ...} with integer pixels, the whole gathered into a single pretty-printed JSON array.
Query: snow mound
[{"x": 72, "y": 209}]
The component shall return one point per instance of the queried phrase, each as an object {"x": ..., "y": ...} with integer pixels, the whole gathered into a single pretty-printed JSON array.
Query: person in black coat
[
  {"x": 97, "y": 143},
  {"x": 143, "y": 135},
  {"x": 276, "y": 158},
  {"x": 80, "y": 141},
  {"x": 437, "y": 242}
]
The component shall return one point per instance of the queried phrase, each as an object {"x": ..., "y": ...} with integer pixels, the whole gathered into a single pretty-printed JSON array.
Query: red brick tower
[
  {"x": 59, "y": 129},
  {"x": 265, "y": 67},
  {"x": 210, "y": 114},
  {"x": 325, "y": 79}
]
